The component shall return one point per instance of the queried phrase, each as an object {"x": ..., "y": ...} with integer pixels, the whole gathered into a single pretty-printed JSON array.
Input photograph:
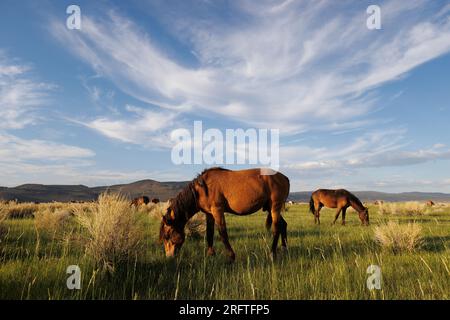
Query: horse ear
[{"x": 170, "y": 213}]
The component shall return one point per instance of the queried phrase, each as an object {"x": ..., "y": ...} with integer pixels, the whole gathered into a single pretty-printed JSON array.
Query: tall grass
[
  {"x": 52, "y": 222},
  {"x": 399, "y": 237},
  {"x": 410, "y": 208},
  {"x": 153, "y": 210},
  {"x": 14, "y": 210},
  {"x": 323, "y": 262},
  {"x": 3, "y": 216},
  {"x": 114, "y": 233}
]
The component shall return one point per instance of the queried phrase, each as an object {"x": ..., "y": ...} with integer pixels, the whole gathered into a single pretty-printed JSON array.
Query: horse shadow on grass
[
  {"x": 435, "y": 243},
  {"x": 329, "y": 252},
  {"x": 149, "y": 279}
]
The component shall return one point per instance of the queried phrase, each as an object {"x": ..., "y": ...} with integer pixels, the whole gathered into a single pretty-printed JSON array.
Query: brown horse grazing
[
  {"x": 340, "y": 199},
  {"x": 140, "y": 200},
  {"x": 216, "y": 191},
  {"x": 430, "y": 203}
]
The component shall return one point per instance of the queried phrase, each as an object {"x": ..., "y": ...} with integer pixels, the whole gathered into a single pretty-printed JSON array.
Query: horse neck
[
  {"x": 182, "y": 218},
  {"x": 357, "y": 205},
  {"x": 190, "y": 215}
]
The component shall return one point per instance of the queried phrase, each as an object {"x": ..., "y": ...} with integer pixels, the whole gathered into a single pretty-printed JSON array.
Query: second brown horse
[
  {"x": 216, "y": 191},
  {"x": 340, "y": 199}
]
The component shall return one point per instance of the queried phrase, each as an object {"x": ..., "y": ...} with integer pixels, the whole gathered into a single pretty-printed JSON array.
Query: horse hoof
[
  {"x": 211, "y": 252},
  {"x": 231, "y": 257}
]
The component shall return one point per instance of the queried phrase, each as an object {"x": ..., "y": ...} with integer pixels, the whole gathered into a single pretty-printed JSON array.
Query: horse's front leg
[
  {"x": 219, "y": 218},
  {"x": 210, "y": 234},
  {"x": 344, "y": 211},
  {"x": 337, "y": 215}
]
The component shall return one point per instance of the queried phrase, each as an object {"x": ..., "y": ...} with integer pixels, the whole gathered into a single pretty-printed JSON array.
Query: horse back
[
  {"x": 332, "y": 198},
  {"x": 245, "y": 191}
]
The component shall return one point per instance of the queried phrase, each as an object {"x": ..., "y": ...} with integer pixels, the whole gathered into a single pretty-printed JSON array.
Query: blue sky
[{"x": 356, "y": 108}]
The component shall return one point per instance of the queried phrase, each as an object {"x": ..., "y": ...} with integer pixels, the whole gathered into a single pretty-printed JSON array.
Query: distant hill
[
  {"x": 66, "y": 193},
  {"x": 167, "y": 190}
]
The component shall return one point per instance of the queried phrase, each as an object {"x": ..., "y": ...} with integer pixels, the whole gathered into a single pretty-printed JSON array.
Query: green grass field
[{"x": 323, "y": 262}]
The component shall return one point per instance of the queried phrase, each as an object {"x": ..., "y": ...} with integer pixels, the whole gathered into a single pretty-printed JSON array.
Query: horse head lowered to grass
[{"x": 216, "y": 191}]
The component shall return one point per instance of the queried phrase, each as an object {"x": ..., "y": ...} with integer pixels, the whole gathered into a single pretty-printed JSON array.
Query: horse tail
[{"x": 312, "y": 209}]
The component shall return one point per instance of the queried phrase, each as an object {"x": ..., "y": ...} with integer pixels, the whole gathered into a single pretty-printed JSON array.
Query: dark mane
[
  {"x": 354, "y": 199},
  {"x": 212, "y": 169},
  {"x": 185, "y": 202},
  {"x": 184, "y": 205}
]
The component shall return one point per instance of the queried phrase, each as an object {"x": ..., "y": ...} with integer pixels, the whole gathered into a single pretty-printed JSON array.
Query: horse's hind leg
[
  {"x": 221, "y": 225},
  {"x": 283, "y": 227},
  {"x": 268, "y": 221},
  {"x": 317, "y": 213},
  {"x": 276, "y": 228},
  {"x": 210, "y": 234}
]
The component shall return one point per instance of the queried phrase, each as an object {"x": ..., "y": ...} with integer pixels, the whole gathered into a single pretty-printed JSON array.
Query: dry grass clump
[
  {"x": 3, "y": 216},
  {"x": 154, "y": 210},
  {"x": 52, "y": 222},
  {"x": 409, "y": 208},
  {"x": 196, "y": 226},
  {"x": 16, "y": 210},
  {"x": 113, "y": 230},
  {"x": 399, "y": 237}
]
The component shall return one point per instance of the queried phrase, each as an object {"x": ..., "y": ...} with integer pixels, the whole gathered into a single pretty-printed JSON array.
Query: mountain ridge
[{"x": 33, "y": 192}]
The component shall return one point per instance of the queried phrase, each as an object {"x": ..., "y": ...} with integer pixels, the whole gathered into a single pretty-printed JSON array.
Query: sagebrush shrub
[
  {"x": 113, "y": 229},
  {"x": 51, "y": 222},
  {"x": 410, "y": 208},
  {"x": 399, "y": 237}
]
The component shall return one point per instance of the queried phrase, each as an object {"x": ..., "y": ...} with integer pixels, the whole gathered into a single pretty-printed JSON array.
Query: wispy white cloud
[
  {"x": 22, "y": 99},
  {"x": 77, "y": 172},
  {"x": 144, "y": 127},
  {"x": 372, "y": 150},
  {"x": 290, "y": 65},
  {"x": 16, "y": 149},
  {"x": 20, "y": 94},
  {"x": 40, "y": 161}
]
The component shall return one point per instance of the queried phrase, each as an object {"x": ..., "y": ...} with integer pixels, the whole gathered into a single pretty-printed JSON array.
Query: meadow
[{"x": 39, "y": 241}]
